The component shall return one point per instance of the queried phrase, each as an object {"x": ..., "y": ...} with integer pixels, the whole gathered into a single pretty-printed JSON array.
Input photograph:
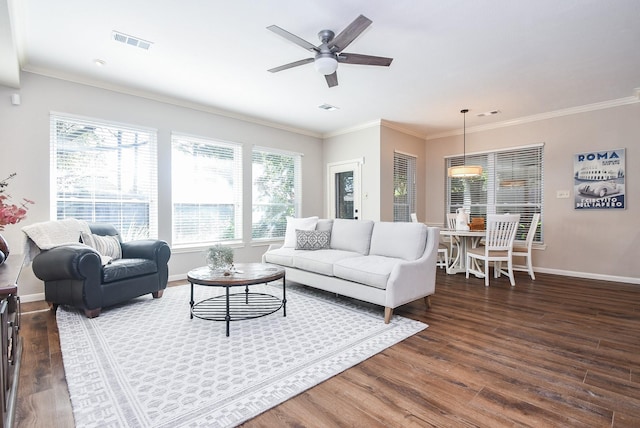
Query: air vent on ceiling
[
  {"x": 131, "y": 40},
  {"x": 488, "y": 113},
  {"x": 328, "y": 107}
]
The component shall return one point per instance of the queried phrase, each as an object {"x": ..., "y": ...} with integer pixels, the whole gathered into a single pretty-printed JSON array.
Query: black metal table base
[{"x": 238, "y": 306}]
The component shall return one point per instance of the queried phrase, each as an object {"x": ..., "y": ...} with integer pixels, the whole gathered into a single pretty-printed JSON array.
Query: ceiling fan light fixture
[{"x": 325, "y": 64}]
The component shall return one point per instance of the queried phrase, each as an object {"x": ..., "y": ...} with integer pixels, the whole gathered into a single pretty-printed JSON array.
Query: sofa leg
[
  {"x": 52, "y": 306},
  {"x": 157, "y": 294},
  {"x": 427, "y": 301},
  {"x": 92, "y": 313},
  {"x": 387, "y": 314}
]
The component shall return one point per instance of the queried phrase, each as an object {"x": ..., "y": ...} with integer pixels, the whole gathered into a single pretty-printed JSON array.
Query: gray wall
[
  {"x": 360, "y": 144},
  {"x": 24, "y": 148},
  {"x": 589, "y": 243}
]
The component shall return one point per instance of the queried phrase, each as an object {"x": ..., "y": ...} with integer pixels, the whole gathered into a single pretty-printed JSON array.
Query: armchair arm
[
  {"x": 75, "y": 261},
  {"x": 150, "y": 249}
]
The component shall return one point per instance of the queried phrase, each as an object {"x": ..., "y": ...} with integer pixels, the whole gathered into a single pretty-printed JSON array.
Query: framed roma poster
[{"x": 599, "y": 179}]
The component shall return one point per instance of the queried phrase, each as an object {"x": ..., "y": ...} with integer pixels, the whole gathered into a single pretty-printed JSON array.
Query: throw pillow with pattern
[{"x": 312, "y": 239}]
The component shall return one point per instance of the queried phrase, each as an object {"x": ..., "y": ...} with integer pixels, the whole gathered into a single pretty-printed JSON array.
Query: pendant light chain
[{"x": 464, "y": 136}]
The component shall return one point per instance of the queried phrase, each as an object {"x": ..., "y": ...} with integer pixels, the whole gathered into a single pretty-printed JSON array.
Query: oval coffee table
[{"x": 237, "y": 306}]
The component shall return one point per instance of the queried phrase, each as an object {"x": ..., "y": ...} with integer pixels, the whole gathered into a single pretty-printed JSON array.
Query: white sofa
[{"x": 383, "y": 263}]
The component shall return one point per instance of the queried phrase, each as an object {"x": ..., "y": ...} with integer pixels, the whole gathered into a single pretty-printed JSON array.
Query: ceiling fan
[{"x": 329, "y": 53}]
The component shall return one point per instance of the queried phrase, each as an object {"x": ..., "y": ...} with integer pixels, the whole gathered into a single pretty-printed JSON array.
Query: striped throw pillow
[{"x": 108, "y": 246}]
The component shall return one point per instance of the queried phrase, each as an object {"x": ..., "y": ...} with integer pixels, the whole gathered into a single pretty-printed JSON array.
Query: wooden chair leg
[
  {"x": 387, "y": 314},
  {"x": 157, "y": 294},
  {"x": 427, "y": 301}
]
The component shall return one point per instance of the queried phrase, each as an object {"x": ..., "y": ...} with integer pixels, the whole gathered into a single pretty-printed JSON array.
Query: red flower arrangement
[{"x": 11, "y": 213}]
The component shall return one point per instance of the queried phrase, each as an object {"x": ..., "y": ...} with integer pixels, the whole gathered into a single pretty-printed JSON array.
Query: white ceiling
[{"x": 524, "y": 58}]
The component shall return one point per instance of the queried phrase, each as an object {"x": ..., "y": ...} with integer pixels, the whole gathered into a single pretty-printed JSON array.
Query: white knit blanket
[{"x": 50, "y": 234}]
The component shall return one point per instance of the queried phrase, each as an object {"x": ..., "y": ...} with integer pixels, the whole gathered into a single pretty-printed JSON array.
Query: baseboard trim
[
  {"x": 178, "y": 277},
  {"x": 37, "y": 297},
  {"x": 588, "y": 275},
  {"x": 611, "y": 278}
]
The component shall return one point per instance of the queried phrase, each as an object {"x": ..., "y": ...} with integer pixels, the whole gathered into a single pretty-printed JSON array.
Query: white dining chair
[
  {"x": 497, "y": 248},
  {"x": 451, "y": 241},
  {"x": 443, "y": 251},
  {"x": 523, "y": 248}
]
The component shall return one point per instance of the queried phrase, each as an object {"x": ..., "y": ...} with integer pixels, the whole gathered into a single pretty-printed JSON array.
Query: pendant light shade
[{"x": 464, "y": 171}]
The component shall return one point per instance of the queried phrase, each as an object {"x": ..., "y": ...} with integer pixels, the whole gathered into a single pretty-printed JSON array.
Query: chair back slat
[
  {"x": 451, "y": 220},
  {"x": 501, "y": 231}
]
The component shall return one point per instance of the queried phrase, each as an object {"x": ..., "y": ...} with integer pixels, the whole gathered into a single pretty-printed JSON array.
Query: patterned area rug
[{"x": 147, "y": 364}]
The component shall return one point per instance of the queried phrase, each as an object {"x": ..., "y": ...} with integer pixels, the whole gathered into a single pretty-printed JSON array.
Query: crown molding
[
  {"x": 396, "y": 127},
  {"x": 166, "y": 99},
  {"x": 374, "y": 123},
  {"x": 545, "y": 116},
  {"x": 366, "y": 125}
]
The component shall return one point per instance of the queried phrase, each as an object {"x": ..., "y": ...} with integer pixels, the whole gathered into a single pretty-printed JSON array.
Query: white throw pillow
[{"x": 307, "y": 223}]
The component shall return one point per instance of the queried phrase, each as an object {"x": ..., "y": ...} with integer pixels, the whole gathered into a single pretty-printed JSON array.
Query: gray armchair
[{"x": 74, "y": 275}]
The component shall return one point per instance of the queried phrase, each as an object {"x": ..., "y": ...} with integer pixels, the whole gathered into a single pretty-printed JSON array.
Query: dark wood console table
[{"x": 10, "y": 340}]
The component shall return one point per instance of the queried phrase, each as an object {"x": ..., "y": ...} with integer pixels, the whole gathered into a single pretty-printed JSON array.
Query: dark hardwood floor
[{"x": 557, "y": 351}]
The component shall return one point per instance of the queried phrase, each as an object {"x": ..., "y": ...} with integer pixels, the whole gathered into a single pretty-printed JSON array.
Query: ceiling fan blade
[
  {"x": 293, "y": 38},
  {"x": 351, "y": 58},
  {"x": 332, "y": 79},
  {"x": 291, "y": 65},
  {"x": 349, "y": 34}
]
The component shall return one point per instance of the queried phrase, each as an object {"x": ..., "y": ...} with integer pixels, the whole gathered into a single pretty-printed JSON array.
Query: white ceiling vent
[
  {"x": 131, "y": 40},
  {"x": 328, "y": 107},
  {"x": 488, "y": 113}
]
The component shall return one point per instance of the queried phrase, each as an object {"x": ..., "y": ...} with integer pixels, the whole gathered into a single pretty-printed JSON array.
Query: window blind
[
  {"x": 104, "y": 172},
  {"x": 206, "y": 189},
  {"x": 404, "y": 186},
  {"x": 276, "y": 191},
  {"x": 511, "y": 182}
]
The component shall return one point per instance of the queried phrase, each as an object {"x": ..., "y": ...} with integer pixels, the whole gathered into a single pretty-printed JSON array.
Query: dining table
[{"x": 462, "y": 240}]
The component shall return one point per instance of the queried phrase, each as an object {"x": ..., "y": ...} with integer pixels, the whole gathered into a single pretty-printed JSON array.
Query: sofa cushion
[
  {"x": 324, "y": 224},
  {"x": 351, "y": 235},
  {"x": 281, "y": 256},
  {"x": 320, "y": 261},
  {"x": 369, "y": 270},
  {"x": 127, "y": 268},
  {"x": 308, "y": 223},
  {"x": 312, "y": 239},
  {"x": 395, "y": 239}
]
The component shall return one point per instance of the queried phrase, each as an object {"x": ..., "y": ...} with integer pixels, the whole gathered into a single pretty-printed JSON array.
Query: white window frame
[
  {"x": 207, "y": 189},
  {"x": 115, "y": 183},
  {"x": 512, "y": 181},
  {"x": 276, "y": 229},
  {"x": 405, "y": 169}
]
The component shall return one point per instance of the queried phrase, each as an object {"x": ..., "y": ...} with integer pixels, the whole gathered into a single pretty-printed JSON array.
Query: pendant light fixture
[{"x": 465, "y": 171}]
